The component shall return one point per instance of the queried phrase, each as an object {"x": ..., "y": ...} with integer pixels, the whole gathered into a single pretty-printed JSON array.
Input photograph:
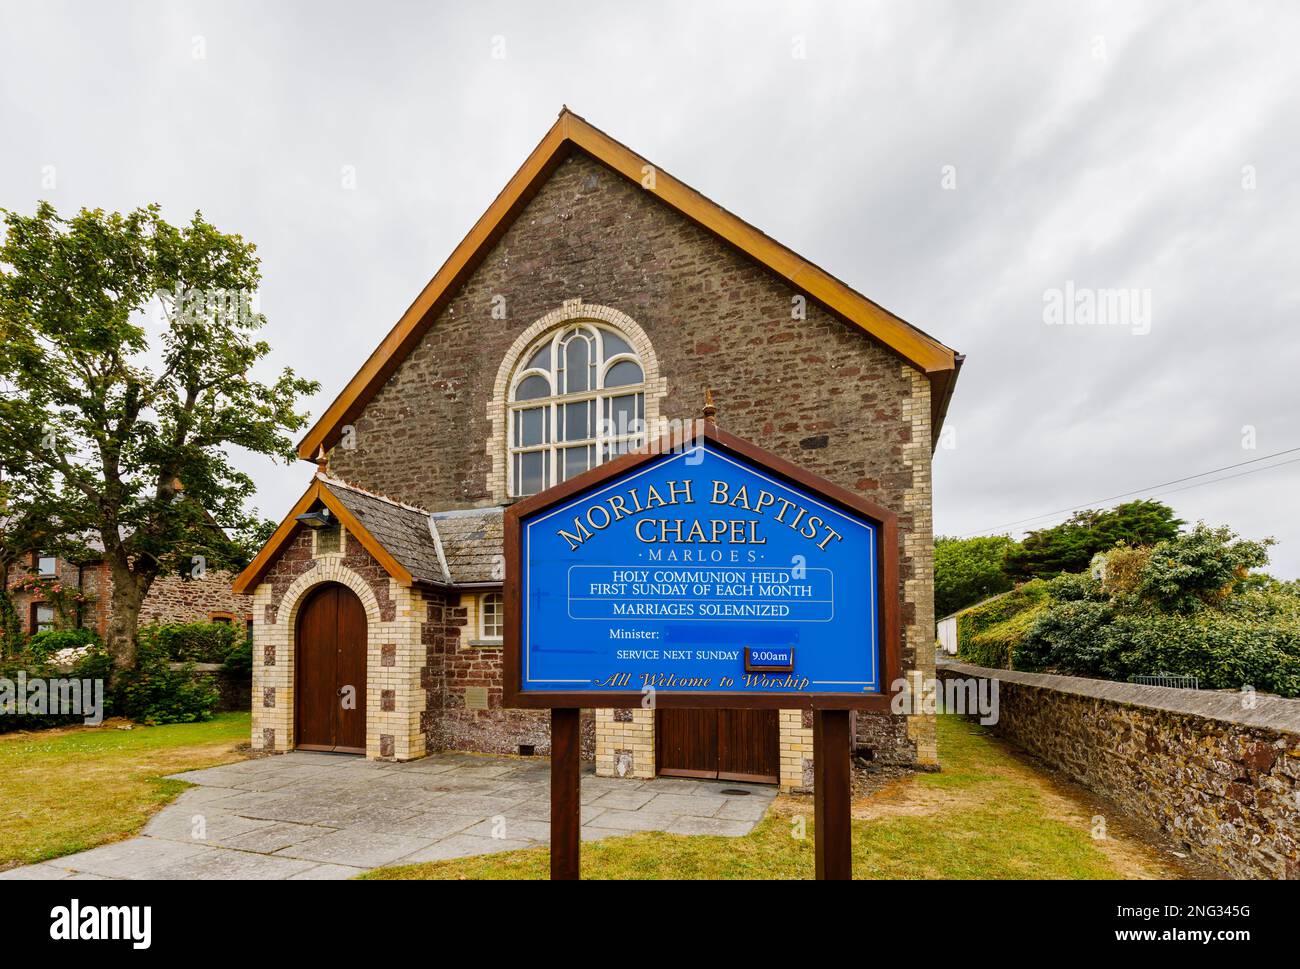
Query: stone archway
[{"x": 299, "y": 594}]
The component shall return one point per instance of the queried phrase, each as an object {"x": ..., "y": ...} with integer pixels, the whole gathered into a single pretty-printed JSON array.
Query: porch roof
[{"x": 447, "y": 549}]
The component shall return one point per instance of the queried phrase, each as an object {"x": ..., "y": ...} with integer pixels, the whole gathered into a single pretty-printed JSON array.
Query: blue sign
[{"x": 699, "y": 572}]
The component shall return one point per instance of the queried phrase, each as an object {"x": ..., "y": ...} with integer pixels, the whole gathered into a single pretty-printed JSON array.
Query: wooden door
[
  {"x": 732, "y": 745},
  {"x": 749, "y": 746},
  {"x": 331, "y": 671},
  {"x": 686, "y": 742}
]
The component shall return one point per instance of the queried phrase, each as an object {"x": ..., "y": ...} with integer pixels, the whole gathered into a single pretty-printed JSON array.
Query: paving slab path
[{"x": 327, "y": 816}]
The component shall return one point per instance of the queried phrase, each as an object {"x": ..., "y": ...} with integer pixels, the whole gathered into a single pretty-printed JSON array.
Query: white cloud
[{"x": 1117, "y": 172}]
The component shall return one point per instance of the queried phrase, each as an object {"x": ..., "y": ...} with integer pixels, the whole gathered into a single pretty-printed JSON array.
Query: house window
[
  {"x": 42, "y": 617},
  {"x": 492, "y": 621},
  {"x": 577, "y": 401},
  {"x": 47, "y": 565}
]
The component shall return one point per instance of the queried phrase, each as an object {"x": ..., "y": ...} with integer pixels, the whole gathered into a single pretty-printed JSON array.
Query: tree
[
  {"x": 1199, "y": 569},
  {"x": 969, "y": 570},
  {"x": 1070, "y": 546},
  {"x": 136, "y": 433}
]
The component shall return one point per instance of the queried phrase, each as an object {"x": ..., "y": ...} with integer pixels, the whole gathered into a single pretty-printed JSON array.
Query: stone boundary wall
[{"x": 1221, "y": 779}]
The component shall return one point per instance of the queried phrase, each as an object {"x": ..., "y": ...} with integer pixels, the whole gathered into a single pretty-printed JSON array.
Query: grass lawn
[
  {"x": 988, "y": 814},
  {"x": 68, "y": 790}
]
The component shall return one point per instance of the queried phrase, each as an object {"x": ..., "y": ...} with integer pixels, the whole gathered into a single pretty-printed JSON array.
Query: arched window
[{"x": 577, "y": 400}]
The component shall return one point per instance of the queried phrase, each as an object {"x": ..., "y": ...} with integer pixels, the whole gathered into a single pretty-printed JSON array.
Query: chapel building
[{"x": 596, "y": 299}]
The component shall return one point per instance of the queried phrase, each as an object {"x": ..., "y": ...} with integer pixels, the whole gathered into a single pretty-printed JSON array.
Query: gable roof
[
  {"x": 570, "y": 133},
  {"x": 402, "y": 530},
  {"x": 351, "y": 507},
  {"x": 451, "y": 548}
]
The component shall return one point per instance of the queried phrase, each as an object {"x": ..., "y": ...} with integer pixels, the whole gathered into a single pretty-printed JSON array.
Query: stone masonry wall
[
  {"x": 464, "y": 688},
  {"x": 173, "y": 599},
  {"x": 817, "y": 391},
  {"x": 1221, "y": 779},
  {"x": 170, "y": 598},
  {"x": 91, "y": 579}
]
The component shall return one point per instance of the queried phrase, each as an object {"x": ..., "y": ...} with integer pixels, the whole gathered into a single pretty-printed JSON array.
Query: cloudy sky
[{"x": 960, "y": 163}]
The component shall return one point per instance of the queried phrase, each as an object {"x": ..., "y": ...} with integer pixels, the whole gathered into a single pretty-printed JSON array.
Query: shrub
[
  {"x": 239, "y": 661},
  {"x": 999, "y": 645},
  {"x": 52, "y": 641},
  {"x": 198, "y": 642},
  {"x": 1222, "y": 651},
  {"x": 1067, "y": 637},
  {"x": 1187, "y": 606},
  {"x": 1199, "y": 568},
  {"x": 94, "y": 665},
  {"x": 155, "y": 693},
  {"x": 974, "y": 622}
]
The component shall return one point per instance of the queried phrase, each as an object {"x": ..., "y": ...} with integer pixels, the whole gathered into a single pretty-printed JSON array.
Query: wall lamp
[{"x": 318, "y": 518}]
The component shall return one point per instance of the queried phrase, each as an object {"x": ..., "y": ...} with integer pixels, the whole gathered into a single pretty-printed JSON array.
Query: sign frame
[{"x": 888, "y": 632}]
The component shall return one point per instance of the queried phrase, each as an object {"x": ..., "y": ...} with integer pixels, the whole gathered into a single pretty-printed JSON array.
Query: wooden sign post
[
  {"x": 701, "y": 573},
  {"x": 832, "y": 795},
  {"x": 566, "y": 801}
]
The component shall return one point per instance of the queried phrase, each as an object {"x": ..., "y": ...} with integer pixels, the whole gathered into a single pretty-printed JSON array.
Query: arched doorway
[{"x": 331, "y": 671}]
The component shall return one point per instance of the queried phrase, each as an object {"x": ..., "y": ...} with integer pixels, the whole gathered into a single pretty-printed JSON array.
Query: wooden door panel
[
  {"x": 331, "y": 655},
  {"x": 686, "y": 742},
  {"x": 350, "y": 734},
  {"x": 749, "y": 745},
  {"x": 316, "y": 665}
]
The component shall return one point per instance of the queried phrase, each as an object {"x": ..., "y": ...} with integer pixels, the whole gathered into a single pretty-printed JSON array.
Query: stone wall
[
  {"x": 816, "y": 391},
  {"x": 170, "y": 598},
  {"x": 1218, "y": 777},
  {"x": 173, "y": 599}
]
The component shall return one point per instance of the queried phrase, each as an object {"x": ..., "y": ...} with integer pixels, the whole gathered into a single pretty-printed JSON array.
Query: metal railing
[{"x": 1178, "y": 682}]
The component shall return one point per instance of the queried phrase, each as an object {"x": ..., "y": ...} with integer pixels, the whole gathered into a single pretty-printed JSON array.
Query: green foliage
[
  {"x": 980, "y": 634},
  {"x": 998, "y": 646},
  {"x": 1070, "y": 546},
  {"x": 1188, "y": 606},
  {"x": 1068, "y": 636},
  {"x": 968, "y": 570},
  {"x": 154, "y": 693},
  {"x": 198, "y": 642},
  {"x": 1222, "y": 650},
  {"x": 29, "y": 521},
  {"x": 95, "y": 665},
  {"x": 51, "y": 641},
  {"x": 1199, "y": 569},
  {"x": 133, "y": 436},
  {"x": 239, "y": 661}
]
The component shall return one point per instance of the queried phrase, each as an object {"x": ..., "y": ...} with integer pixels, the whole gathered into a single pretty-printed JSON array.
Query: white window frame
[
  {"x": 40, "y": 558},
  {"x": 37, "y": 625},
  {"x": 603, "y": 437},
  {"x": 500, "y": 616}
]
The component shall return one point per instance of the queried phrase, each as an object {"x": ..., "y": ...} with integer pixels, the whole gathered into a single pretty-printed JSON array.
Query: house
[
  {"x": 49, "y": 591},
  {"x": 596, "y": 298}
]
